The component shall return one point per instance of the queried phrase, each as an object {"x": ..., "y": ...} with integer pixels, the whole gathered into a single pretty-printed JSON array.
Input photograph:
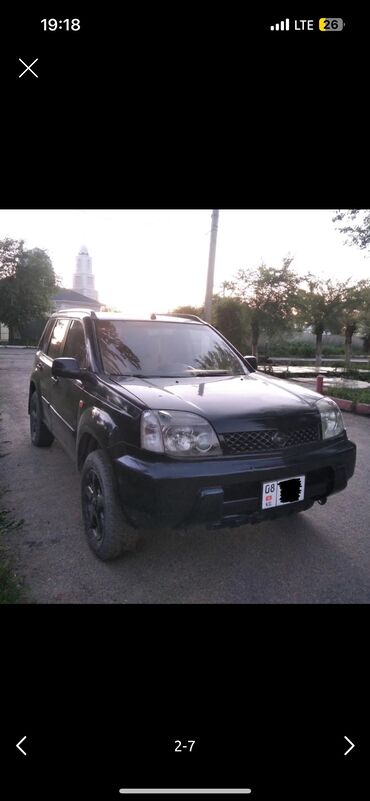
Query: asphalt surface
[{"x": 320, "y": 556}]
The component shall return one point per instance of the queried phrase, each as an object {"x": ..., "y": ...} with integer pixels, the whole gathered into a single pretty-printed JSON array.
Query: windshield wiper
[
  {"x": 194, "y": 371},
  {"x": 190, "y": 372}
]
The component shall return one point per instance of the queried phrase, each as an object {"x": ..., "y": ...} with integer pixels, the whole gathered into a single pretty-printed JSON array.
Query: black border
[
  {"x": 242, "y": 123},
  {"x": 213, "y": 111},
  {"x": 228, "y": 674}
]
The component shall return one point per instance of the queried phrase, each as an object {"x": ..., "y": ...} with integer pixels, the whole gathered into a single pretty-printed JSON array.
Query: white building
[{"x": 83, "y": 279}]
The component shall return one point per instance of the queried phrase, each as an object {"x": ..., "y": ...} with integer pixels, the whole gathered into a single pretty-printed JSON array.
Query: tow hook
[{"x": 322, "y": 501}]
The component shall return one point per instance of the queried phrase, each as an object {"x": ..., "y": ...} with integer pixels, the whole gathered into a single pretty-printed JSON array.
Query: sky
[{"x": 145, "y": 261}]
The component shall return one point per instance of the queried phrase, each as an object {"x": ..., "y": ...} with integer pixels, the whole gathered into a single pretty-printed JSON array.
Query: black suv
[{"x": 170, "y": 425}]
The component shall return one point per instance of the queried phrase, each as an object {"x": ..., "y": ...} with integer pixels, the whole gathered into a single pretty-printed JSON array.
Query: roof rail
[
  {"x": 84, "y": 310},
  {"x": 186, "y": 316}
]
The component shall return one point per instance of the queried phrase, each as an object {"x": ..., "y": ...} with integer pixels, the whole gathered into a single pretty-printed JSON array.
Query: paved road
[{"x": 322, "y": 556}]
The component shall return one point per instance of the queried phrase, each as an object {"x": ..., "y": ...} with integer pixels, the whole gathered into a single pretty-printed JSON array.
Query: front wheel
[{"x": 106, "y": 528}]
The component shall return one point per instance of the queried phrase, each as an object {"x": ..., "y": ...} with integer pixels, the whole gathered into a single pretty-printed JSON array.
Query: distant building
[
  {"x": 83, "y": 279},
  {"x": 83, "y": 293},
  {"x": 68, "y": 299}
]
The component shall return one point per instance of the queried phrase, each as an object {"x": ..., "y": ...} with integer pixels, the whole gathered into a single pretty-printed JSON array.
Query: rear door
[
  {"x": 67, "y": 392},
  {"x": 51, "y": 349}
]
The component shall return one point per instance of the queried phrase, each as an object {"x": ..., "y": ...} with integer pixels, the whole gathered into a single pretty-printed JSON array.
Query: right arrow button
[{"x": 351, "y": 745}]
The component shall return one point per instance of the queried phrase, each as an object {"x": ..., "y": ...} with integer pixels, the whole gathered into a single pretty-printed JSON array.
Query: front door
[
  {"x": 44, "y": 362},
  {"x": 66, "y": 392}
]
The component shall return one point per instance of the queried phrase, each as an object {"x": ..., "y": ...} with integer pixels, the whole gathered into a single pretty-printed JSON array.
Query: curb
[
  {"x": 362, "y": 408},
  {"x": 351, "y": 406},
  {"x": 344, "y": 405}
]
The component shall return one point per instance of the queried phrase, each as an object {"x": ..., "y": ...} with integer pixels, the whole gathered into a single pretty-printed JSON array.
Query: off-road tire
[
  {"x": 107, "y": 530},
  {"x": 40, "y": 434}
]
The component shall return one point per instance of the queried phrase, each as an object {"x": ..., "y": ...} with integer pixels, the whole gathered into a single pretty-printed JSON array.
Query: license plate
[{"x": 282, "y": 491}]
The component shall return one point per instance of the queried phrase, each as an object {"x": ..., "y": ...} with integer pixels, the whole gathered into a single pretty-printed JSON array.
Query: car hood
[{"x": 227, "y": 401}]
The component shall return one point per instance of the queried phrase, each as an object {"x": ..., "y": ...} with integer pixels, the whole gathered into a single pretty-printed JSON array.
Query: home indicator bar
[{"x": 185, "y": 791}]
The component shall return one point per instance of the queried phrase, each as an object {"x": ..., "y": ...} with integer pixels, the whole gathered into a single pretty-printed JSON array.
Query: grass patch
[
  {"x": 306, "y": 349},
  {"x": 360, "y": 395},
  {"x": 357, "y": 375},
  {"x": 10, "y": 592}
]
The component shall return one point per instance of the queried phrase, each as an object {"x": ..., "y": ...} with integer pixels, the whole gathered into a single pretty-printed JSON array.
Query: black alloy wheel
[
  {"x": 107, "y": 530},
  {"x": 94, "y": 509}
]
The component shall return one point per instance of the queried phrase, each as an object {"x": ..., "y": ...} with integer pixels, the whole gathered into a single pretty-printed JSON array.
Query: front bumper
[{"x": 227, "y": 491}]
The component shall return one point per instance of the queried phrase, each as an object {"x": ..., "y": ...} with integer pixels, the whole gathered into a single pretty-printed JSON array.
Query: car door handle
[{"x": 55, "y": 379}]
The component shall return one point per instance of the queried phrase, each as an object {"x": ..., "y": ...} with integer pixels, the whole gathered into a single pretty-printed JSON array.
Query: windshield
[{"x": 160, "y": 349}]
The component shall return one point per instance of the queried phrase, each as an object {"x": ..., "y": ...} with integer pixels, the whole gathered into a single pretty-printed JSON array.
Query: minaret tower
[{"x": 83, "y": 279}]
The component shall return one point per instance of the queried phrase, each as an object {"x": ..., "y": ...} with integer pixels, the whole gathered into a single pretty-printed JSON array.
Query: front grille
[{"x": 252, "y": 441}]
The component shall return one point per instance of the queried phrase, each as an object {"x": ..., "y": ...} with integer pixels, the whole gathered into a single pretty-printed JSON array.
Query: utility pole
[{"x": 211, "y": 266}]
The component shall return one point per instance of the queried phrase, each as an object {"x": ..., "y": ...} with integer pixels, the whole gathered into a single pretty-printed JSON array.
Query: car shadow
[{"x": 283, "y": 561}]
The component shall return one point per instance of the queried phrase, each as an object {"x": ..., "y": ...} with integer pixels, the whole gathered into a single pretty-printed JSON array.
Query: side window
[
  {"x": 55, "y": 344},
  {"x": 45, "y": 335},
  {"x": 75, "y": 345}
]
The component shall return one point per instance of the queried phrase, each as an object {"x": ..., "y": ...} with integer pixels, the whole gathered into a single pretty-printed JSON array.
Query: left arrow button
[{"x": 19, "y": 745}]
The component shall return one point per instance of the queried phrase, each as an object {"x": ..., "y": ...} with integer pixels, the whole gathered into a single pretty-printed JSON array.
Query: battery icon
[{"x": 331, "y": 24}]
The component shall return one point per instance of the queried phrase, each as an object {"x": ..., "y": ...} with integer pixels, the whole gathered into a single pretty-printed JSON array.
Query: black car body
[{"x": 233, "y": 431}]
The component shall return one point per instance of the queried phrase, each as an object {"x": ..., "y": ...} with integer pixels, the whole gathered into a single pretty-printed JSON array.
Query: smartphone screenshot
[{"x": 184, "y": 403}]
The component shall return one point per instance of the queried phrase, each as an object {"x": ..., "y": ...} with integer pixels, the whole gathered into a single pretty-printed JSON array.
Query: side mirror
[
  {"x": 251, "y": 362},
  {"x": 65, "y": 368}
]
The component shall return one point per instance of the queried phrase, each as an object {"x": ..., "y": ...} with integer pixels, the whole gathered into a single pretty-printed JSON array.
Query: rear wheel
[
  {"x": 106, "y": 528},
  {"x": 40, "y": 435}
]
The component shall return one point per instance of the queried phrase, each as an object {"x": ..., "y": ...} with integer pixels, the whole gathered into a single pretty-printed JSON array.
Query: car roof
[{"x": 81, "y": 313}]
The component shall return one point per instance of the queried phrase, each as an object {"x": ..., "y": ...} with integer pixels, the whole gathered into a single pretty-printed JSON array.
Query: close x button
[{"x": 28, "y": 68}]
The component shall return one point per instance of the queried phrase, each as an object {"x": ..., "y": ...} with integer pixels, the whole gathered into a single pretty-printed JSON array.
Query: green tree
[
  {"x": 232, "y": 318},
  {"x": 197, "y": 310},
  {"x": 270, "y": 295},
  {"x": 364, "y": 319},
  {"x": 357, "y": 229},
  {"x": 319, "y": 306},
  {"x": 229, "y": 315},
  {"x": 356, "y": 315},
  {"x": 11, "y": 251},
  {"x": 27, "y": 286},
  {"x": 352, "y": 303}
]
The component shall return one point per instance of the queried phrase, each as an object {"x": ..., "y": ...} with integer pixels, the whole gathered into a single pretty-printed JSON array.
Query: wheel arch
[{"x": 88, "y": 442}]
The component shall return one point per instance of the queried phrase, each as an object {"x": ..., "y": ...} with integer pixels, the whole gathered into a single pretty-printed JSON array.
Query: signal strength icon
[{"x": 280, "y": 26}]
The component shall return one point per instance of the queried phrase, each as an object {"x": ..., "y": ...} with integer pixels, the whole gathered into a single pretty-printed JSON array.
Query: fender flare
[{"x": 98, "y": 424}]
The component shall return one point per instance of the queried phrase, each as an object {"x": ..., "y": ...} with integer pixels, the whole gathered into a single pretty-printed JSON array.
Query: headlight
[
  {"x": 331, "y": 418},
  {"x": 178, "y": 434}
]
